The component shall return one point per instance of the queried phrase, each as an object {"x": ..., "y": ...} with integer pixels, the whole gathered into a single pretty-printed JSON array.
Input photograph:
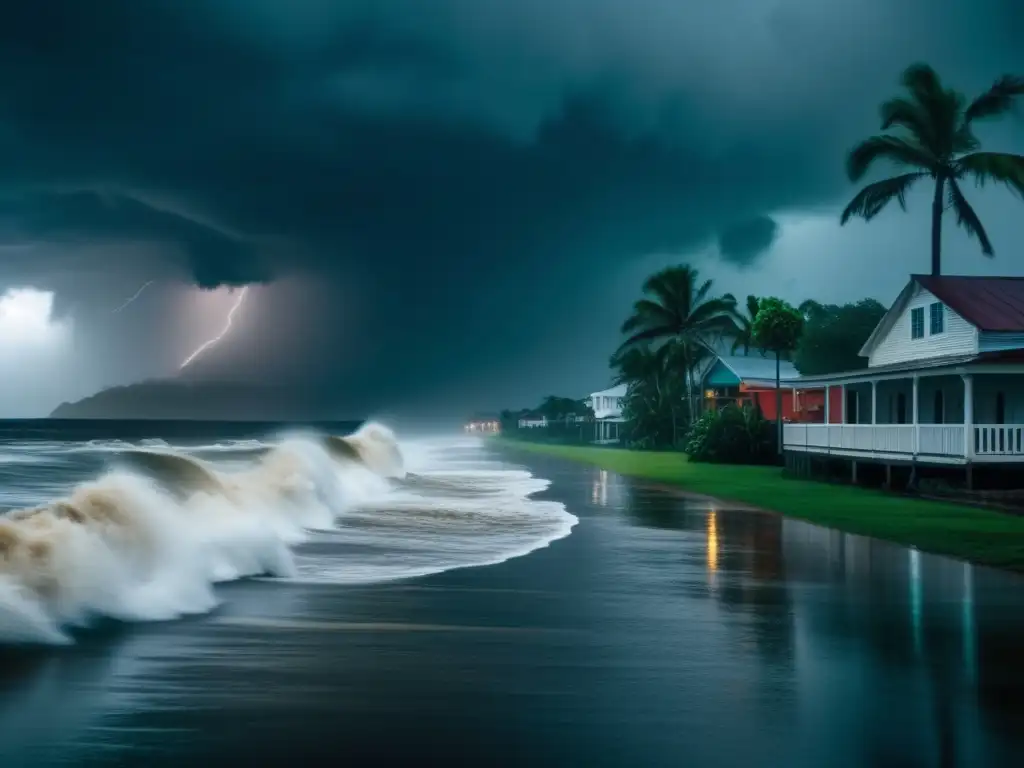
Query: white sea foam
[{"x": 150, "y": 540}]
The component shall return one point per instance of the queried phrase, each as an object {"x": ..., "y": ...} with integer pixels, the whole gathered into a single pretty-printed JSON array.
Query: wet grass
[{"x": 978, "y": 535}]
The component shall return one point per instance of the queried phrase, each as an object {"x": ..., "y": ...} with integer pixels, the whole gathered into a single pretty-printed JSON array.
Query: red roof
[{"x": 989, "y": 303}]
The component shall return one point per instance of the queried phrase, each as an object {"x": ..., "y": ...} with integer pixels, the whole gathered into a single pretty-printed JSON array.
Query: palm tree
[
  {"x": 745, "y": 327},
  {"x": 653, "y": 377},
  {"x": 936, "y": 139},
  {"x": 678, "y": 307}
]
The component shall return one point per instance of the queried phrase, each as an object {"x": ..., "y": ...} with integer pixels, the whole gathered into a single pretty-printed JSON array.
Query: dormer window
[
  {"x": 917, "y": 323},
  {"x": 937, "y": 316}
]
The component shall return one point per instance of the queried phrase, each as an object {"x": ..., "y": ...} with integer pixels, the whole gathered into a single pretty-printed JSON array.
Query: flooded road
[{"x": 661, "y": 632}]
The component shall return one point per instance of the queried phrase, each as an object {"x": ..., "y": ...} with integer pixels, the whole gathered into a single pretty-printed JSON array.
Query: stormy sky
[{"x": 444, "y": 205}]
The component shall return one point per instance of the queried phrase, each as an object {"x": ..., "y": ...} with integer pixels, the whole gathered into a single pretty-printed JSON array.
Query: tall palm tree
[
  {"x": 935, "y": 138},
  {"x": 678, "y": 307},
  {"x": 745, "y": 327}
]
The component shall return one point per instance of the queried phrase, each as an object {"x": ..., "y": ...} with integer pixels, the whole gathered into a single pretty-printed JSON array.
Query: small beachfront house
[
  {"x": 607, "y": 407},
  {"x": 944, "y": 383},
  {"x": 750, "y": 380}
]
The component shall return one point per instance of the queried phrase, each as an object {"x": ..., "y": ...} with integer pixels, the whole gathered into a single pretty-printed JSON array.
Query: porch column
[
  {"x": 917, "y": 426},
  {"x": 827, "y": 398},
  {"x": 874, "y": 402},
  {"x": 842, "y": 411},
  {"x": 968, "y": 415}
]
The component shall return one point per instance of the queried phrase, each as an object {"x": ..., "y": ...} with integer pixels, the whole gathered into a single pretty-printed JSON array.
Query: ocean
[{"x": 139, "y": 521}]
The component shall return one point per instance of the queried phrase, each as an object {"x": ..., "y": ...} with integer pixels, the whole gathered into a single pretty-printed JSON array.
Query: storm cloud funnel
[{"x": 744, "y": 243}]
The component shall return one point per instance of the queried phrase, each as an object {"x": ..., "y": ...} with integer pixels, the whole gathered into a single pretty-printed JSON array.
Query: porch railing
[
  {"x": 942, "y": 439},
  {"x": 989, "y": 440},
  {"x": 999, "y": 440}
]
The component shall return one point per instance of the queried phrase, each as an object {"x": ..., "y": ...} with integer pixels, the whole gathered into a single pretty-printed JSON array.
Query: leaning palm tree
[
  {"x": 935, "y": 138},
  {"x": 679, "y": 308},
  {"x": 745, "y": 327}
]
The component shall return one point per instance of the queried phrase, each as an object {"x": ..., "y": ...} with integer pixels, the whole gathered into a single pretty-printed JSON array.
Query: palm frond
[
  {"x": 870, "y": 201},
  {"x": 997, "y": 100},
  {"x": 713, "y": 309},
  {"x": 900, "y": 151},
  {"x": 923, "y": 82},
  {"x": 906, "y": 113},
  {"x": 647, "y": 335},
  {"x": 672, "y": 287},
  {"x": 648, "y": 313},
  {"x": 967, "y": 218},
  {"x": 942, "y": 107},
  {"x": 993, "y": 166},
  {"x": 701, "y": 293}
]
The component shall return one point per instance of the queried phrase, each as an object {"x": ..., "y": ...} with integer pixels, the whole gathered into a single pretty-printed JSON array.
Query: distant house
[
  {"x": 750, "y": 380},
  {"x": 944, "y": 383},
  {"x": 531, "y": 420},
  {"x": 607, "y": 407}
]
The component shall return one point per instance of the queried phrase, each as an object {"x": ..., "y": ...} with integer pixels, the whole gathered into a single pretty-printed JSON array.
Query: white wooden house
[
  {"x": 944, "y": 383},
  {"x": 607, "y": 407}
]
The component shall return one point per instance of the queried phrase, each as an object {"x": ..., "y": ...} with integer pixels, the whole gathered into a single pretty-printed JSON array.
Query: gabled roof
[
  {"x": 753, "y": 367},
  {"x": 989, "y": 303}
]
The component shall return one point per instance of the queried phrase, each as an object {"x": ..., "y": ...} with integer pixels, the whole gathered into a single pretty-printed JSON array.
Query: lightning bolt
[
  {"x": 133, "y": 298},
  {"x": 227, "y": 327}
]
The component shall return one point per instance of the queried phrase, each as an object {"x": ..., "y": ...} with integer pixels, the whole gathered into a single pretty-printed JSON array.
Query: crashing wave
[{"x": 149, "y": 541}]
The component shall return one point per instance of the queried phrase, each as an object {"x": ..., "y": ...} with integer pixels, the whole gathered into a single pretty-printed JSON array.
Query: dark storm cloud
[
  {"x": 467, "y": 167},
  {"x": 743, "y": 242}
]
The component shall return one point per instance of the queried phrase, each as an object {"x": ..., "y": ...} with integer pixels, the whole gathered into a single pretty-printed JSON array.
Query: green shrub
[{"x": 732, "y": 435}]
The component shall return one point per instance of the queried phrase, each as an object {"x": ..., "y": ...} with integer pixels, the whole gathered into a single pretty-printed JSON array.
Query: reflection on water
[
  {"x": 600, "y": 491},
  {"x": 968, "y": 622},
  {"x": 915, "y": 597},
  {"x": 712, "y": 542},
  {"x": 901, "y": 646}
]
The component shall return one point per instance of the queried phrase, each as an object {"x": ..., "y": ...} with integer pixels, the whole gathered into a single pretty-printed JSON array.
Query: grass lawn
[{"x": 979, "y": 535}]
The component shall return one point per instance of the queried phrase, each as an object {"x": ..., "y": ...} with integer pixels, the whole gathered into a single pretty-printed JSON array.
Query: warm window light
[{"x": 709, "y": 394}]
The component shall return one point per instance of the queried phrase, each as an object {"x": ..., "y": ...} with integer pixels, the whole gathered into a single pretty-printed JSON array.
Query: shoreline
[{"x": 978, "y": 535}]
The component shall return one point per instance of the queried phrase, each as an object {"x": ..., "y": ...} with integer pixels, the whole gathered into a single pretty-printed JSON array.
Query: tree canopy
[
  {"x": 833, "y": 336},
  {"x": 554, "y": 408},
  {"x": 777, "y": 325}
]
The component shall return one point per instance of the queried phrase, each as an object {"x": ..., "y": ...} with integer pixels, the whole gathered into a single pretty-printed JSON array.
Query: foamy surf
[{"x": 149, "y": 540}]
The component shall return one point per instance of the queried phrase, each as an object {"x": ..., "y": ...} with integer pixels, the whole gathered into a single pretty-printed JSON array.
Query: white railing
[
  {"x": 999, "y": 440},
  {"x": 989, "y": 440},
  {"x": 941, "y": 439},
  {"x": 867, "y": 438}
]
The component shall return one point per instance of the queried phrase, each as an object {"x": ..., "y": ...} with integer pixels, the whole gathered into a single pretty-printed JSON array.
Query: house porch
[{"x": 943, "y": 417}]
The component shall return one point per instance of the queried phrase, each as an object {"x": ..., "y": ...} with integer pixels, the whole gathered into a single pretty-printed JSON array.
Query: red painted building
[{"x": 750, "y": 379}]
